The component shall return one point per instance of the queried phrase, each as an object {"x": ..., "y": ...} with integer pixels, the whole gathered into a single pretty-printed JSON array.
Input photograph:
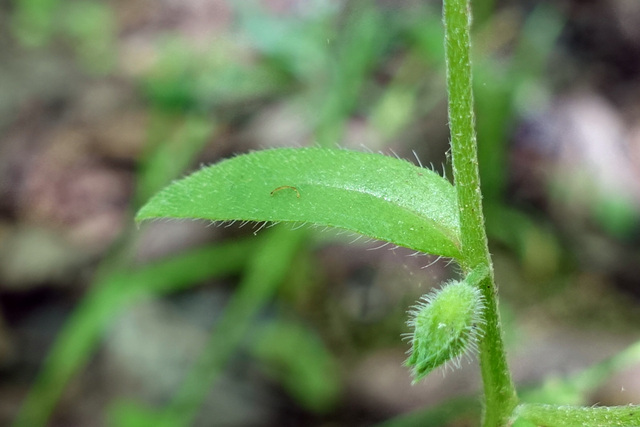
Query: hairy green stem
[{"x": 499, "y": 392}]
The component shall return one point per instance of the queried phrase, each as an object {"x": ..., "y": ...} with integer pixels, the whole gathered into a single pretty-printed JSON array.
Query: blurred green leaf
[
  {"x": 173, "y": 147},
  {"x": 355, "y": 49},
  {"x": 125, "y": 413},
  {"x": 617, "y": 214},
  {"x": 266, "y": 269},
  {"x": 92, "y": 27},
  {"x": 89, "y": 25},
  {"x": 80, "y": 336},
  {"x": 301, "y": 362},
  {"x": 185, "y": 78},
  {"x": 33, "y": 21},
  {"x": 378, "y": 196},
  {"x": 298, "y": 43}
]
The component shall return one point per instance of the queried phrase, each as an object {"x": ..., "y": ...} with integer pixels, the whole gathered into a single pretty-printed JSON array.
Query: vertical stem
[{"x": 499, "y": 392}]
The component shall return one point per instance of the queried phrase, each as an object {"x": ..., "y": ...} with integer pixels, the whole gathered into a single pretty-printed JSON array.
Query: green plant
[{"x": 393, "y": 200}]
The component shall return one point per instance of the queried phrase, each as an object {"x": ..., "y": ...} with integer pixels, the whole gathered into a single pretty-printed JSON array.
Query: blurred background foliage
[{"x": 102, "y": 103}]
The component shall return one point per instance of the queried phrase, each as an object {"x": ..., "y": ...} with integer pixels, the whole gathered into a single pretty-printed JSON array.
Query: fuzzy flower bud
[{"x": 447, "y": 324}]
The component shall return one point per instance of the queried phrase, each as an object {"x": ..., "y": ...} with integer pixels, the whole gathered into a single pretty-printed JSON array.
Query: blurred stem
[{"x": 499, "y": 392}]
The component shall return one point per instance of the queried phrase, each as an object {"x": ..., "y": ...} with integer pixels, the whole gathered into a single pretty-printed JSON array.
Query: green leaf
[
  {"x": 569, "y": 416},
  {"x": 375, "y": 195}
]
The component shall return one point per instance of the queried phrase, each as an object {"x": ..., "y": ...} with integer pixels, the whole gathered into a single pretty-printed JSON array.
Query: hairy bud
[{"x": 447, "y": 324}]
